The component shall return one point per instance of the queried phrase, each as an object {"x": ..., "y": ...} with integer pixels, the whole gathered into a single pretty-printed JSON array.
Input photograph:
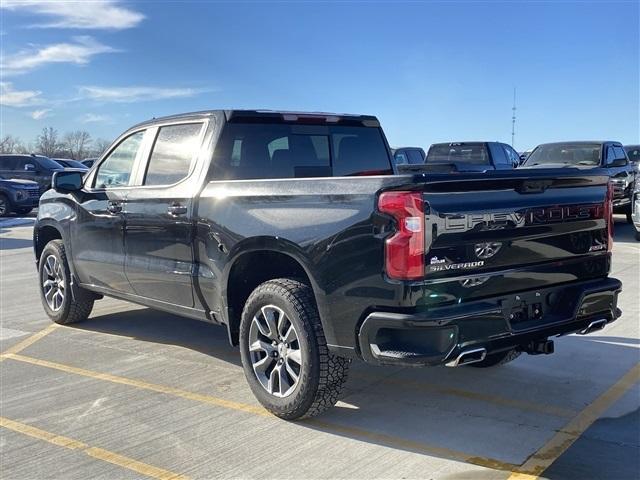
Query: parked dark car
[
  {"x": 88, "y": 162},
  {"x": 471, "y": 157},
  {"x": 69, "y": 163},
  {"x": 408, "y": 156},
  {"x": 610, "y": 156},
  {"x": 29, "y": 167},
  {"x": 18, "y": 196},
  {"x": 293, "y": 232}
]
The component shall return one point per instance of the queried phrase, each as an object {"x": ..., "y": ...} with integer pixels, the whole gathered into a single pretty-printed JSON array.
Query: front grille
[
  {"x": 34, "y": 193},
  {"x": 618, "y": 188}
]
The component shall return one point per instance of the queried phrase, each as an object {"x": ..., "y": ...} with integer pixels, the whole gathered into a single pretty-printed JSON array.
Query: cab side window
[
  {"x": 173, "y": 153},
  {"x": 115, "y": 170}
]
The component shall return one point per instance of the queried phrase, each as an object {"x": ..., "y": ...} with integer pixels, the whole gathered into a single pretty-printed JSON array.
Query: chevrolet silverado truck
[{"x": 292, "y": 231}]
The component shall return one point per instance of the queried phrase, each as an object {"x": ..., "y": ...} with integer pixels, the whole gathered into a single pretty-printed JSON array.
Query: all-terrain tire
[
  {"x": 72, "y": 308},
  {"x": 497, "y": 359},
  {"x": 321, "y": 375}
]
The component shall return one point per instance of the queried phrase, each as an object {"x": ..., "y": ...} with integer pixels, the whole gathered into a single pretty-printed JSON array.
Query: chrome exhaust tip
[
  {"x": 594, "y": 326},
  {"x": 467, "y": 357}
]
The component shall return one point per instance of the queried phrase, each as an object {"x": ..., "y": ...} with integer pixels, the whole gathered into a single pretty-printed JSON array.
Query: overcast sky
[{"x": 431, "y": 71}]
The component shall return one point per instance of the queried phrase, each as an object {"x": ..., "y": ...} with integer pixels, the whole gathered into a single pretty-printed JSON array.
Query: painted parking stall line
[{"x": 95, "y": 452}]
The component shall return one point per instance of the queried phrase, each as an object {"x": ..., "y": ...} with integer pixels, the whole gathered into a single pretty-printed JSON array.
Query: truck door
[
  {"x": 159, "y": 217},
  {"x": 98, "y": 233}
]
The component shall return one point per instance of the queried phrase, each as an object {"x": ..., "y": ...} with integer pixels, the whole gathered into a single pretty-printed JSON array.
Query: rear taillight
[
  {"x": 404, "y": 250},
  {"x": 608, "y": 215}
]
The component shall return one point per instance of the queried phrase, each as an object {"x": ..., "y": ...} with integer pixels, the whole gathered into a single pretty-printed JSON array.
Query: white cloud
[
  {"x": 79, "y": 53},
  {"x": 93, "y": 14},
  {"x": 135, "y": 94},
  {"x": 94, "y": 118},
  {"x": 40, "y": 114},
  {"x": 18, "y": 98}
]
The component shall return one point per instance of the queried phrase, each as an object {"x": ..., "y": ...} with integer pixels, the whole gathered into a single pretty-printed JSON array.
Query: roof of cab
[{"x": 279, "y": 116}]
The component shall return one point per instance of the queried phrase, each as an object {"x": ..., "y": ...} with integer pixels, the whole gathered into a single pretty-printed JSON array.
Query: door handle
[
  {"x": 176, "y": 209},
  {"x": 114, "y": 207}
]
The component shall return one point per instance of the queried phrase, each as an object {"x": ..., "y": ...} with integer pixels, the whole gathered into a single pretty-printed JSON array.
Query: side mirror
[
  {"x": 29, "y": 167},
  {"x": 68, "y": 181},
  {"x": 618, "y": 162}
]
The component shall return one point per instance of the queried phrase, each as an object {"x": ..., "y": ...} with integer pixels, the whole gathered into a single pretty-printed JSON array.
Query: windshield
[
  {"x": 587, "y": 154},
  {"x": 474, "y": 153},
  {"x": 48, "y": 164}
]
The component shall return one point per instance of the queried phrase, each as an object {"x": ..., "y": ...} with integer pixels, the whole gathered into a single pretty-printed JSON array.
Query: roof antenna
[{"x": 513, "y": 119}]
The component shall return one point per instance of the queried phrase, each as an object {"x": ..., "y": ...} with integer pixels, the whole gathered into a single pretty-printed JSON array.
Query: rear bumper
[{"x": 438, "y": 335}]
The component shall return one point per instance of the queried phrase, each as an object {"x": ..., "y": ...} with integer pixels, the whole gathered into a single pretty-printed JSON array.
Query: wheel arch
[{"x": 276, "y": 258}]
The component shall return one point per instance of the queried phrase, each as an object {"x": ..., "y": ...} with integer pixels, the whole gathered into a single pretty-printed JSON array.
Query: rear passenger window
[
  {"x": 173, "y": 152},
  {"x": 8, "y": 162}
]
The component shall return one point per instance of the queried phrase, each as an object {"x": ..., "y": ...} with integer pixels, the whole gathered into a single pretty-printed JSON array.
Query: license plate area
[{"x": 523, "y": 310}]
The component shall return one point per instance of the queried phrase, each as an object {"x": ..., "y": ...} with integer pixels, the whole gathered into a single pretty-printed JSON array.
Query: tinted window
[
  {"x": 619, "y": 153},
  {"x": 633, "y": 153},
  {"x": 512, "y": 155},
  {"x": 248, "y": 151},
  {"x": 8, "y": 162},
  {"x": 415, "y": 157},
  {"x": 174, "y": 150},
  {"x": 567, "y": 154},
  {"x": 46, "y": 163},
  {"x": 115, "y": 170},
  {"x": 401, "y": 158},
  {"x": 474, "y": 153}
]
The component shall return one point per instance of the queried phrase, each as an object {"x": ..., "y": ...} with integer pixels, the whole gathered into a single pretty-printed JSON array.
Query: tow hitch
[{"x": 539, "y": 347}]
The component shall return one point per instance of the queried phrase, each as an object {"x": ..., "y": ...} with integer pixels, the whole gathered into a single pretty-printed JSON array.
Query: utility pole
[{"x": 513, "y": 119}]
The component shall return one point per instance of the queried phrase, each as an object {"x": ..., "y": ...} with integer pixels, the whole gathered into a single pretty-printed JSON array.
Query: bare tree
[
  {"x": 10, "y": 144},
  {"x": 47, "y": 142},
  {"x": 99, "y": 147},
  {"x": 77, "y": 144}
]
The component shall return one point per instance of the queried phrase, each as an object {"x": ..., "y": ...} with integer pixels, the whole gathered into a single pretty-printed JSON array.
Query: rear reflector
[{"x": 404, "y": 250}]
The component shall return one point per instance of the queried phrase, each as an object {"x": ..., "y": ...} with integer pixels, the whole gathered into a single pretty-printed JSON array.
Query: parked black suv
[
  {"x": 292, "y": 231},
  {"x": 18, "y": 196},
  {"x": 610, "y": 156},
  {"x": 471, "y": 157},
  {"x": 29, "y": 167}
]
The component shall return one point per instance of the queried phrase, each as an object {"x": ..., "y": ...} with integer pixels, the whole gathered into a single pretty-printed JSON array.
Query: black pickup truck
[
  {"x": 609, "y": 157},
  {"x": 292, "y": 231}
]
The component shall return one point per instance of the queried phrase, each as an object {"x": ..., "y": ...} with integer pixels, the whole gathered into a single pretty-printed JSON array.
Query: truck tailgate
[{"x": 510, "y": 231}]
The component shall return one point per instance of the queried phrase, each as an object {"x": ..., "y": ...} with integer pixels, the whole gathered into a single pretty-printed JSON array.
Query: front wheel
[
  {"x": 284, "y": 352},
  {"x": 55, "y": 287}
]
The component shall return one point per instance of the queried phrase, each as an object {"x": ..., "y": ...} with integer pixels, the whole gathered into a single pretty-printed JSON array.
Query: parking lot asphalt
[{"x": 137, "y": 393}]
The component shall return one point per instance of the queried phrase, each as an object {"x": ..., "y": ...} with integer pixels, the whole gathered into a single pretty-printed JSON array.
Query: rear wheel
[
  {"x": 497, "y": 359},
  {"x": 5, "y": 206},
  {"x": 55, "y": 287},
  {"x": 284, "y": 352}
]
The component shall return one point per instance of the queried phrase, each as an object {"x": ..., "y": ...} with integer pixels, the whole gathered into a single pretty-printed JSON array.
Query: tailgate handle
[{"x": 534, "y": 186}]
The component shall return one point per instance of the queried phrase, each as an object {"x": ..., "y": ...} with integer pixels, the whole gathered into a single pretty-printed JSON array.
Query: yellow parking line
[
  {"x": 389, "y": 440},
  {"x": 27, "y": 342},
  {"x": 105, "y": 455},
  {"x": 219, "y": 402},
  {"x": 564, "y": 438}
]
